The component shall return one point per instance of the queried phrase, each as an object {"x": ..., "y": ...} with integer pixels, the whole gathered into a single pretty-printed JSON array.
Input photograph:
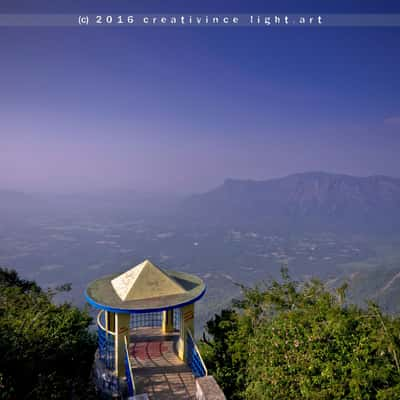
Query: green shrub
[
  {"x": 46, "y": 350},
  {"x": 291, "y": 341}
]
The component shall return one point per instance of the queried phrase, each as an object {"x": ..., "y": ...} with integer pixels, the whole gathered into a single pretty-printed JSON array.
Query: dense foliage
[
  {"x": 290, "y": 341},
  {"x": 46, "y": 350}
]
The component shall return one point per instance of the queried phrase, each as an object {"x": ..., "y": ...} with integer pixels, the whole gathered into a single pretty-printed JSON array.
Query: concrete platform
[{"x": 156, "y": 367}]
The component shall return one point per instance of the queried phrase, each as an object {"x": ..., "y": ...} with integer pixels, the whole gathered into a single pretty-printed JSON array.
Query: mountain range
[
  {"x": 305, "y": 201},
  {"x": 311, "y": 201}
]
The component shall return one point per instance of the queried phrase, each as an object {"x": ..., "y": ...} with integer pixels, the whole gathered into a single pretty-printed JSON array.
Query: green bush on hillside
[
  {"x": 290, "y": 341},
  {"x": 46, "y": 350}
]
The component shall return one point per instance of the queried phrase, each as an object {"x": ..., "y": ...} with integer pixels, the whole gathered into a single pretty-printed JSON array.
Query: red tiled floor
[
  {"x": 145, "y": 350},
  {"x": 156, "y": 367}
]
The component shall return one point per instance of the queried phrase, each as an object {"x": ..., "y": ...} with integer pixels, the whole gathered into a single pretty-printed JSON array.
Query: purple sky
[{"x": 181, "y": 110}]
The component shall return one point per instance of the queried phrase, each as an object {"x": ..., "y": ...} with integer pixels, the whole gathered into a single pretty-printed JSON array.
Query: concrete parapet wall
[{"x": 208, "y": 389}]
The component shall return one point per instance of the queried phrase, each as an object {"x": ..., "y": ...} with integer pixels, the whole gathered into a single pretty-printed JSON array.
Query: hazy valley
[{"x": 334, "y": 227}]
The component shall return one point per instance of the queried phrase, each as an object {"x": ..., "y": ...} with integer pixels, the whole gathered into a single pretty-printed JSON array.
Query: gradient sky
[{"x": 180, "y": 110}]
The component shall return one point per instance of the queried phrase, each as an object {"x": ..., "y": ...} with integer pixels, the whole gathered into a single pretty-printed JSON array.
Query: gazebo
[{"x": 146, "y": 323}]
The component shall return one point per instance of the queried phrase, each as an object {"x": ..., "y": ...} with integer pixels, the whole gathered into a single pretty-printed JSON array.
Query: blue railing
[
  {"x": 109, "y": 382},
  {"x": 194, "y": 360},
  {"x": 106, "y": 343},
  {"x": 150, "y": 320},
  {"x": 153, "y": 320},
  {"x": 128, "y": 371},
  {"x": 177, "y": 319}
]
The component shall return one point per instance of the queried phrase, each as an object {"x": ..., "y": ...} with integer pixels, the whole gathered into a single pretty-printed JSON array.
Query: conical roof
[
  {"x": 144, "y": 288},
  {"x": 144, "y": 281}
]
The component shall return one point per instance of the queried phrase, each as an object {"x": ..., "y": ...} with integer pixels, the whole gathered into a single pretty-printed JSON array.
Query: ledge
[{"x": 208, "y": 389}]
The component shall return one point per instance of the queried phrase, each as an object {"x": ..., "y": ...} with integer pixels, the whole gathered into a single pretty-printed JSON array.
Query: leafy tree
[
  {"x": 228, "y": 367},
  {"x": 46, "y": 350},
  {"x": 289, "y": 341}
]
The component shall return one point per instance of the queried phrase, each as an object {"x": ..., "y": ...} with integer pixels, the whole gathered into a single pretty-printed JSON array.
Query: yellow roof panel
[{"x": 144, "y": 281}]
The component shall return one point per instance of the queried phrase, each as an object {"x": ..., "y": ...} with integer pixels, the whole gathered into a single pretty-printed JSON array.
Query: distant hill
[
  {"x": 10, "y": 197},
  {"x": 306, "y": 201},
  {"x": 380, "y": 284},
  {"x": 16, "y": 205}
]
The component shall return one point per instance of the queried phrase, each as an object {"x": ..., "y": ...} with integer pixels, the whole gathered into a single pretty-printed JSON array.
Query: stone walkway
[{"x": 156, "y": 367}]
